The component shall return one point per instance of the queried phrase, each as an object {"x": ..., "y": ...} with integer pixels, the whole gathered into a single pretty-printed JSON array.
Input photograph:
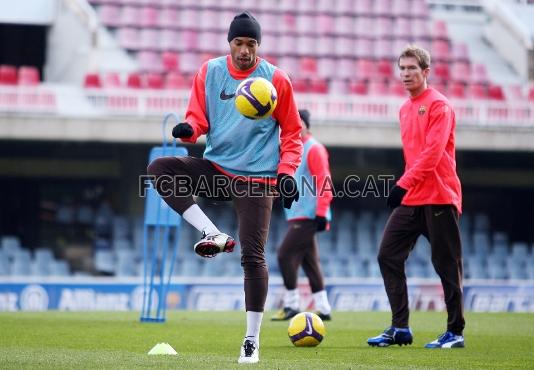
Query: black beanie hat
[
  {"x": 244, "y": 25},
  {"x": 305, "y": 116}
]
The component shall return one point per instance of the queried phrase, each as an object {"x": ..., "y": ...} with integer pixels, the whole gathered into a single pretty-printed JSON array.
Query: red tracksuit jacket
[{"x": 427, "y": 124}]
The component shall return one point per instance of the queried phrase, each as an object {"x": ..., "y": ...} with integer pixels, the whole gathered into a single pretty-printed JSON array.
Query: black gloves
[
  {"x": 287, "y": 188},
  {"x": 321, "y": 223},
  {"x": 183, "y": 129},
  {"x": 395, "y": 196}
]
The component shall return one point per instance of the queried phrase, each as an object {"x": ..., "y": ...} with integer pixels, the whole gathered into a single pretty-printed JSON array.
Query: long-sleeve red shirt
[
  {"x": 427, "y": 124},
  {"x": 320, "y": 170},
  {"x": 286, "y": 113}
]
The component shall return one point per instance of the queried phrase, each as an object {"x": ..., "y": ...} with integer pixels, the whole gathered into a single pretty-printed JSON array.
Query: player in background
[
  {"x": 427, "y": 200},
  {"x": 309, "y": 215},
  {"x": 263, "y": 153}
]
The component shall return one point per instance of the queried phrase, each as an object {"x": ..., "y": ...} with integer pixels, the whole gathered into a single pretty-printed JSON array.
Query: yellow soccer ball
[
  {"x": 256, "y": 98},
  {"x": 306, "y": 330}
]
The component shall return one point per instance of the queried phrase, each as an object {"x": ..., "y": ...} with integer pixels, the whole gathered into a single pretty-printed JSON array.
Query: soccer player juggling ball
[
  {"x": 426, "y": 200},
  {"x": 265, "y": 152}
]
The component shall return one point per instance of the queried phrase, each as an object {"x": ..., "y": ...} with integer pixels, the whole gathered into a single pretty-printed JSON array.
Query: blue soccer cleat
[
  {"x": 447, "y": 340},
  {"x": 392, "y": 335}
]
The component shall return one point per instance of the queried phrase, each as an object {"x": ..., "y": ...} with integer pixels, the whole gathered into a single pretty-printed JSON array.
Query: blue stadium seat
[
  {"x": 38, "y": 268},
  {"x": 475, "y": 267},
  {"x": 516, "y": 268},
  {"x": 10, "y": 245},
  {"x": 481, "y": 243},
  {"x": 500, "y": 244},
  {"x": 43, "y": 255},
  {"x": 4, "y": 265},
  {"x": 520, "y": 250},
  {"x": 59, "y": 268},
  {"x": 357, "y": 267},
  {"x": 191, "y": 267},
  {"x": 104, "y": 261},
  {"x": 125, "y": 264}
]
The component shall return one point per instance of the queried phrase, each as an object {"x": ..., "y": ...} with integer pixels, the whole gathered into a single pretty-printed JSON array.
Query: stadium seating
[
  {"x": 348, "y": 251},
  {"x": 174, "y": 37}
]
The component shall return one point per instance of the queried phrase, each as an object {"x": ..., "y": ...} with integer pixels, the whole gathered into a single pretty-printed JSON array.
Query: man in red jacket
[{"x": 427, "y": 200}]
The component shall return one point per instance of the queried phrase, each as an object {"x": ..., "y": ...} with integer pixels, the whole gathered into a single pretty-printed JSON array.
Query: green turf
[{"x": 210, "y": 340}]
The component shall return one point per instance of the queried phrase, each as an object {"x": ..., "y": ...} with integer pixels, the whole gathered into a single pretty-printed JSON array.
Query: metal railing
[{"x": 327, "y": 109}]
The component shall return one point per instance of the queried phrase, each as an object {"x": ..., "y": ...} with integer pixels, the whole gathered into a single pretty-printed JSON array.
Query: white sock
[
  {"x": 321, "y": 302},
  {"x": 198, "y": 219},
  {"x": 291, "y": 299},
  {"x": 254, "y": 325}
]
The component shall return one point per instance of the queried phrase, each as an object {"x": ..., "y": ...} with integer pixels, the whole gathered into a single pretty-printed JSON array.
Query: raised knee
[{"x": 157, "y": 166}]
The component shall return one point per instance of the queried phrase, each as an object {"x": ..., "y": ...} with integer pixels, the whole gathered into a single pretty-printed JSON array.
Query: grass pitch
[{"x": 211, "y": 340}]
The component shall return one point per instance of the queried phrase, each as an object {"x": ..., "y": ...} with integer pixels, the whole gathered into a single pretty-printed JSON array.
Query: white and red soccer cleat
[{"x": 212, "y": 244}]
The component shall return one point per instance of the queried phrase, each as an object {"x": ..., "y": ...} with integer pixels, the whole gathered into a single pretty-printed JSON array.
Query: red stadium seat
[
  {"x": 338, "y": 86},
  {"x": 440, "y": 49},
  {"x": 109, "y": 15},
  {"x": 461, "y": 71},
  {"x": 325, "y": 24},
  {"x": 28, "y": 76},
  {"x": 134, "y": 81},
  {"x": 378, "y": 88},
  {"x": 149, "y": 61},
  {"x": 306, "y": 45},
  {"x": 457, "y": 90},
  {"x": 396, "y": 88},
  {"x": 515, "y": 92},
  {"x": 441, "y": 71},
  {"x": 402, "y": 26},
  {"x": 383, "y": 49},
  {"x": 300, "y": 85},
  {"x": 385, "y": 68},
  {"x": 169, "y": 40},
  {"x": 365, "y": 69},
  {"x": 92, "y": 80},
  {"x": 420, "y": 9},
  {"x": 8, "y": 75},
  {"x": 149, "y": 39},
  {"x": 365, "y": 8},
  {"x": 129, "y": 38},
  {"x": 477, "y": 91},
  {"x": 344, "y": 47},
  {"x": 319, "y": 86},
  {"x": 305, "y": 24},
  {"x": 344, "y": 25},
  {"x": 325, "y": 46},
  {"x": 358, "y": 87},
  {"x": 175, "y": 81},
  {"x": 382, "y": 7},
  {"x": 169, "y": 60},
  {"x": 308, "y": 67},
  {"x": 169, "y": 18},
  {"x": 400, "y": 9},
  {"x": 129, "y": 16},
  {"x": 460, "y": 52},
  {"x": 112, "y": 80},
  {"x": 364, "y": 48},
  {"x": 149, "y": 16},
  {"x": 480, "y": 74},
  {"x": 439, "y": 30},
  {"x": 495, "y": 92},
  {"x": 531, "y": 94},
  {"x": 189, "y": 18},
  {"x": 154, "y": 81}
]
